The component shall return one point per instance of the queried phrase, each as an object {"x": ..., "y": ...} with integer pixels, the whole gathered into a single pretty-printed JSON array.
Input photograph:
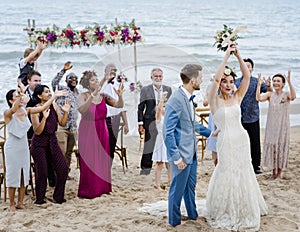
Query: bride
[{"x": 234, "y": 200}]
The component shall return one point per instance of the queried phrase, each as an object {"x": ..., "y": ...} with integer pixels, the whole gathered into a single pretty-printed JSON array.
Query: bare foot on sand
[
  {"x": 158, "y": 187},
  {"x": 273, "y": 177},
  {"x": 20, "y": 206},
  {"x": 12, "y": 208}
]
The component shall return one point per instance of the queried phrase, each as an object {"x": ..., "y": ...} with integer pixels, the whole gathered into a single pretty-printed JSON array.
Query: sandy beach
[{"x": 119, "y": 211}]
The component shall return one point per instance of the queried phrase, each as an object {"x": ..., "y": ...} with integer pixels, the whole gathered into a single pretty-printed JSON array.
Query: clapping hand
[
  {"x": 267, "y": 81},
  {"x": 66, "y": 107},
  {"x": 164, "y": 96},
  {"x": 263, "y": 79},
  {"x": 23, "y": 99},
  {"x": 46, "y": 113},
  {"x": 260, "y": 79},
  {"x": 22, "y": 86},
  {"x": 67, "y": 66},
  {"x": 288, "y": 77},
  {"x": 41, "y": 45},
  {"x": 59, "y": 93},
  {"x": 120, "y": 90}
]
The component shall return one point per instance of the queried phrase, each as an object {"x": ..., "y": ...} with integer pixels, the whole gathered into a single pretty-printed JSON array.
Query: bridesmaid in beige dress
[{"x": 277, "y": 133}]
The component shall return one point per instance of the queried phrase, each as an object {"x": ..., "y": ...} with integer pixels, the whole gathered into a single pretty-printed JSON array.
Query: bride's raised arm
[
  {"x": 212, "y": 96},
  {"x": 241, "y": 91}
]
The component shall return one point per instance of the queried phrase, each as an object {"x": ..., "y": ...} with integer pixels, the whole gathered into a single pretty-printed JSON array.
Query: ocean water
[{"x": 175, "y": 33}]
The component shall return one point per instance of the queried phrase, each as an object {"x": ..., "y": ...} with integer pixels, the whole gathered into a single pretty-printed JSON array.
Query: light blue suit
[{"x": 180, "y": 139}]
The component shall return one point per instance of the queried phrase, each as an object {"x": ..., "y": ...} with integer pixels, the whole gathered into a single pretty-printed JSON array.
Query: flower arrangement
[
  {"x": 121, "y": 78},
  {"x": 135, "y": 87},
  {"x": 226, "y": 36},
  {"x": 125, "y": 34}
]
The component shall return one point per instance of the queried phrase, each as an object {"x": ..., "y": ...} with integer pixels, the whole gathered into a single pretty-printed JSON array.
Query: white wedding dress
[{"x": 234, "y": 200}]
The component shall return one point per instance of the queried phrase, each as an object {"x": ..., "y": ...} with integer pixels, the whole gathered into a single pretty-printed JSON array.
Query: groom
[{"x": 179, "y": 136}]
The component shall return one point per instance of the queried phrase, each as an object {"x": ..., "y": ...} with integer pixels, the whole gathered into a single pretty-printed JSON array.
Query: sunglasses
[{"x": 73, "y": 78}]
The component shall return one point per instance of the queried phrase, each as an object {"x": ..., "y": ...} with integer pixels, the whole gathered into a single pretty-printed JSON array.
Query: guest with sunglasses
[{"x": 67, "y": 135}]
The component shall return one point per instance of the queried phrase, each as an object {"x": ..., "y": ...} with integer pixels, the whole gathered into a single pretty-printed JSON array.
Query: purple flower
[
  {"x": 131, "y": 87},
  {"x": 140, "y": 86},
  {"x": 135, "y": 86},
  {"x": 51, "y": 37},
  {"x": 119, "y": 78},
  {"x": 99, "y": 33},
  {"x": 125, "y": 34}
]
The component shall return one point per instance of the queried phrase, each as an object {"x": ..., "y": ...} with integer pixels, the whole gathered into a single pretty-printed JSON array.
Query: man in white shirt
[{"x": 114, "y": 115}]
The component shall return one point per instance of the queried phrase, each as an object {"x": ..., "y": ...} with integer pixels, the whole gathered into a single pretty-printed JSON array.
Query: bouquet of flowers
[
  {"x": 135, "y": 87},
  {"x": 226, "y": 36}
]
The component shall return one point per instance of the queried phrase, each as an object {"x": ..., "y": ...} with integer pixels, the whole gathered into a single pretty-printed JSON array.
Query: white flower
[{"x": 227, "y": 71}]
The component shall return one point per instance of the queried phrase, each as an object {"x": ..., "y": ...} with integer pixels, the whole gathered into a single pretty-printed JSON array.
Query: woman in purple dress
[
  {"x": 93, "y": 139},
  {"x": 45, "y": 148}
]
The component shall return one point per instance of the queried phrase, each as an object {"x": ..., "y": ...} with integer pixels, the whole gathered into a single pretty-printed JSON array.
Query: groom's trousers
[{"x": 183, "y": 185}]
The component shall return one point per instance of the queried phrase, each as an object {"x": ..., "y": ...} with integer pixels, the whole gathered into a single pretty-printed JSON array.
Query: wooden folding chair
[
  {"x": 120, "y": 150},
  {"x": 202, "y": 114},
  {"x": 3, "y": 169},
  {"x": 31, "y": 171}
]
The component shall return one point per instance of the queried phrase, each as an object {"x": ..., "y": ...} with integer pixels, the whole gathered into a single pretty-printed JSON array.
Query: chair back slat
[{"x": 2, "y": 131}]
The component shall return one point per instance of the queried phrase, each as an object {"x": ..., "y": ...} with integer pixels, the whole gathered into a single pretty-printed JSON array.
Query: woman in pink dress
[
  {"x": 277, "y": 134},
  {"x": 93, "y": 138}
]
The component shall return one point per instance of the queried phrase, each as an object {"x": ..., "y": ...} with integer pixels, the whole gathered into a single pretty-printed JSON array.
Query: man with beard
[
  {"x": 179, "y": 129},
  {"x": 114, "y": 115},
  {"x": 67, "y": 136},
  {"x": 149, "y": 98}
]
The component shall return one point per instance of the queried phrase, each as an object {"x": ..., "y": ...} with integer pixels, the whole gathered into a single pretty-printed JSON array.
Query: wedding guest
[
  {"x": 277, "y": 134},
  {"x": 114, "y": 115},
  {"x": 34, "y": 79},
  {"x": 28, "y": 62},
  {"x": 160, "y": 150},
  {"x": 67, "y": 135},
  {"x": 44, "y": 146},
  {"x": 149, "y": 98},
  {"x": 179, "y": 135},
  {"x": 16, "y": 150},
  {"x": 234, "y": 200},
  {"x": 93, "y": 137},
  {"x": 250, "y": 114}
]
